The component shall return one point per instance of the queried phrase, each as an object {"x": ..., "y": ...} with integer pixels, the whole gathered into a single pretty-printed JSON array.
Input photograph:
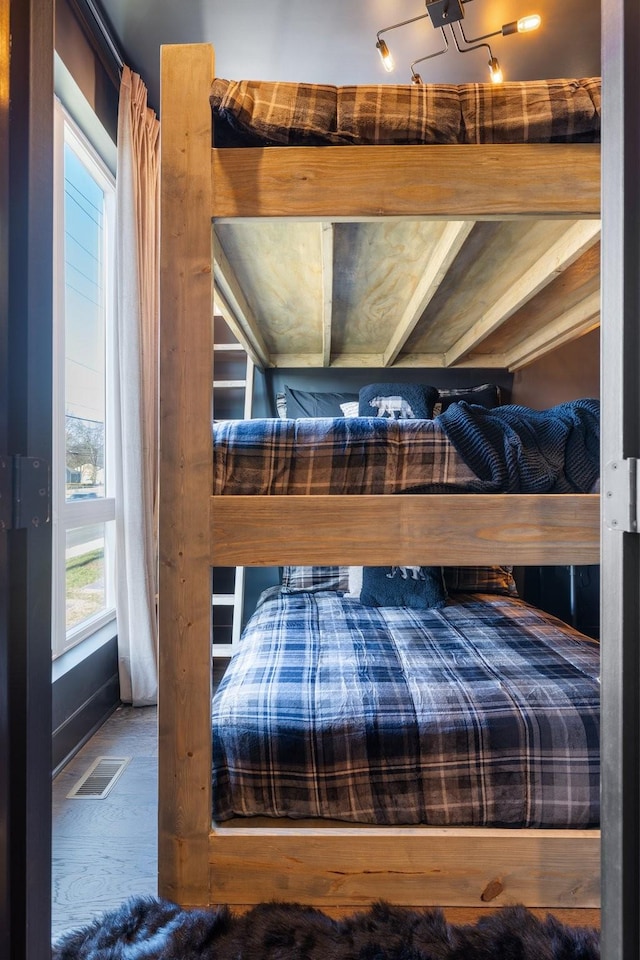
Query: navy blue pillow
[
  {"x": 315, "y": 403},
  {"x": 421, "y": 588},
  {"x": 398, "y": 401}
]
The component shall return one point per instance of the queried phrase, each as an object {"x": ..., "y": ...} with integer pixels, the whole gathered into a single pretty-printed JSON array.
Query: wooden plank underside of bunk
[
  {"x": 461, "y": 181},
  {"x": 523, "y": 529},
  {"x": 426, "y": 866}
]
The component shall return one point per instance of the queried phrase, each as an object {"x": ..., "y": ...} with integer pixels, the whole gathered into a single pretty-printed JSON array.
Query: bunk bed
[{"x": 446, "y": 187}]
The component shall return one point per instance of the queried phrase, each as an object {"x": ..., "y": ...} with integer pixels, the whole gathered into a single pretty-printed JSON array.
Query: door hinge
[
  {"x": 620, "y": 495},
  {"x": 25, "y": 492},
  {"x": 6, "y": 492}
]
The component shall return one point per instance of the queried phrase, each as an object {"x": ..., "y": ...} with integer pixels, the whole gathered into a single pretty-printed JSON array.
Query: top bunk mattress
[
  {"x": 468, "y": 448},
  {"x": 261, "y": 113}
]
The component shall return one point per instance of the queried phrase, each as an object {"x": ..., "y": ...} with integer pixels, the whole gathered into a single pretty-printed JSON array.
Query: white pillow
[
  {"x": 355, "y": 583},
  {"x": 350, "y": 409}
]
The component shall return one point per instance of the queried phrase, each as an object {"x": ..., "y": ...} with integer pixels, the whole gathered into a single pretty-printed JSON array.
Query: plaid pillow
[
  {"x": 534, "y": 111},
  {"x": 480, "y": 580},
  {"x": 486, "y": 395},
  {"x": 313, "y": 579}
]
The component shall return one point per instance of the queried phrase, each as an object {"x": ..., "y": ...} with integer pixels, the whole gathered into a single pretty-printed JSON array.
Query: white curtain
[{"x": 136, "y": 375}]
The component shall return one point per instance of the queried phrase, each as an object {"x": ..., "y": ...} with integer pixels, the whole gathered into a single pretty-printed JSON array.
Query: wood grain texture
[
  {"x": 383, "y": 291},
  {"x": 278, "y": 266},
  {"x": 439, "y": 529},
  {"x": 326, "y": 246},
  {"x": 567, "y": 249},
  {"x": 413, "y": 865},
  {"x": 572, "y": 286},
  {"x": 451, "y": 182},
  {"x": 186, "y": 373},
  {"x": 574, "y": 322},
  {"x": 231, "y": 299},
  {"x": 445, "y": 252}
]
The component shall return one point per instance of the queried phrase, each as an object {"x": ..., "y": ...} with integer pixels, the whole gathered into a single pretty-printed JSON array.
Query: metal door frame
[
  {"x": 26, "y": 207},
  {"x": 620, "y": 567}
]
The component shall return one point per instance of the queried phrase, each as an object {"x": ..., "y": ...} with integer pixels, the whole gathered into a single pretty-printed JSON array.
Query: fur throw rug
[{"x": 152, "y": 929}]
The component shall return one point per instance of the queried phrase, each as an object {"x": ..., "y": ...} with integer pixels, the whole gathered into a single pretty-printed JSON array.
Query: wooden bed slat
[
  {"x": 578, "y": 238},
  {"x": 455, "y": 234},
  {"x": 234, "y": 307},
  {"x": 576, "y": 321},
  {"x": 443, "y": 181},
  {"x": 405, "y": 529},
  {"x": 433, "y": 867}
]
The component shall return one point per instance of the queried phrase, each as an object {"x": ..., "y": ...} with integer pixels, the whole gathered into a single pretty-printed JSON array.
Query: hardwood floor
[{"x": 105, "y": 850}]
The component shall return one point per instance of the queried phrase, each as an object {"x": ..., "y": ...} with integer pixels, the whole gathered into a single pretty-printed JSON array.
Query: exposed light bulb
[
  {"x": 526, "y": 24},
  {"x": 387, "y": 59},
  {"x": 494, "y": 71},
  {"x": 523, "y": 25}
]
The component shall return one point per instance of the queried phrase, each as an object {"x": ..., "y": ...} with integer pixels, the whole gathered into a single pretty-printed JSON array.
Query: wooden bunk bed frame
[{"x": 330, "y": 865}]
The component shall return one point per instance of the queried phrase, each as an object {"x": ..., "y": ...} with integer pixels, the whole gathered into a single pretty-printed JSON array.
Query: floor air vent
[{"x": 99, "y": 779}]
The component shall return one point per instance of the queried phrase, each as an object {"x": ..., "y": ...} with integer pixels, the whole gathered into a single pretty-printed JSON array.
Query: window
[{"x": 83, "y": 498}]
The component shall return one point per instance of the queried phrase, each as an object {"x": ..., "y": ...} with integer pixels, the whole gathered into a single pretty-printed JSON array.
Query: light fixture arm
[
  {"x": 476, "y": 39},
  {"x": 404, "y": 23},
  {"x": 415, "y": 77},
  {"x": 467, "y": 49}
]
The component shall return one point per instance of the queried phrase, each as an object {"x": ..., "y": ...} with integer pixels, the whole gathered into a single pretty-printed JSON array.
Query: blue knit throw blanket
[{"x": 513, "y": 449}]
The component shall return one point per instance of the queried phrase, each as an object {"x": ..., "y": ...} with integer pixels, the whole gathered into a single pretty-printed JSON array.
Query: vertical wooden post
[{"x": 186, "y": 374}]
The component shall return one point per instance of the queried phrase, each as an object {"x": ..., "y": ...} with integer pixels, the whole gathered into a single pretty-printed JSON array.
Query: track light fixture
[{"x": 450, "y": 14}]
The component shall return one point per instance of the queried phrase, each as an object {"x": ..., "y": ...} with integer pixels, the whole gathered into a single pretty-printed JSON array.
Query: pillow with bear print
[
  {"x": 421, "y": 588},
  {"x": 397, "y": 401}
]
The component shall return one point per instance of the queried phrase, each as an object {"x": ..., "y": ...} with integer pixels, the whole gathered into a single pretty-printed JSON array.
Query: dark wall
[
  {"x": 85, "y": 692},
  {"x": 349, "y": 380},
  {"x": 570, "y": 593}
]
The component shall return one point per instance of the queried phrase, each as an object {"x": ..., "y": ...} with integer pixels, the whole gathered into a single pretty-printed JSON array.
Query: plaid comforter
[
  {"x": 261, "y": 113},
  {"x": 483, "y": 713},
  {"x": 342, "y": 455},
  {"x": 468, "y": 448}
]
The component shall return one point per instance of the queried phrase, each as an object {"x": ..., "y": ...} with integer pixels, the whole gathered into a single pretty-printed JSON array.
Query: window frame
[{"x": 67, "y": 515}]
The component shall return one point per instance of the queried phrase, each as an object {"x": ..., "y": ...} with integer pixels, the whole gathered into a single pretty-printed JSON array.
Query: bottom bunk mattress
[{"x": 482, "y": 713}]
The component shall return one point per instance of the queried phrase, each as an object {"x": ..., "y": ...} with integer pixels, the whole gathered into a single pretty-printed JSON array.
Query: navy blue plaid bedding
[
  {"x": 343, "y": 455},
  {"x": 483, "y": 713},
  {"x": 468, "y": 448}
]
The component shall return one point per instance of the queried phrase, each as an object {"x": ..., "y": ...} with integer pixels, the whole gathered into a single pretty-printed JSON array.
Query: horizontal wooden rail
[
  {"x": 523, "y": 529},
  {"x": 460, "y": 181},
  {"x": 429, "y": 866}
]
